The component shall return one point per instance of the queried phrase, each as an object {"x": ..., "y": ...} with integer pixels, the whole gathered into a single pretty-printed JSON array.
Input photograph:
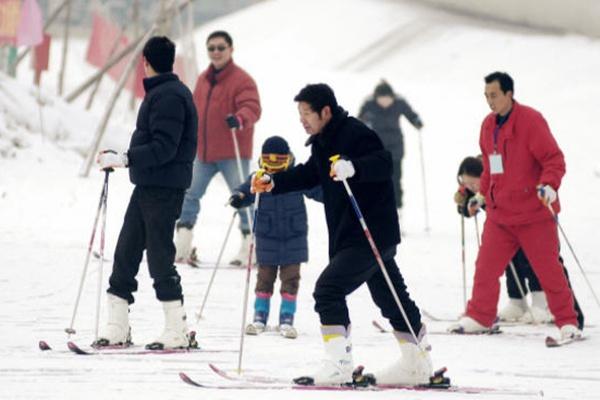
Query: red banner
[
  {"x": 107, "y": 41},
  {"x": 41, "y": 54},
  {"x": 10, "y": 11}
]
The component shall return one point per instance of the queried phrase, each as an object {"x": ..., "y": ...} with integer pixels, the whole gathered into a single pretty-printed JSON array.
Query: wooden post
[
  {"x": 109, "y": 64},
  {"x": 111, "y": 103},
  {"x": 110, "y": 54},
  {"x": 135, "y": 16},
  {"x": 118, "y": 57},
  {"x": 65, "y": 50}
]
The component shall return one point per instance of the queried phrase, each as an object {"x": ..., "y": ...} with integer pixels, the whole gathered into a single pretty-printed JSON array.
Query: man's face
[
  {"x": 470, "y": 182},
  {"x": 219, "y": 52},
  {"x": 312, "y": 121},
  {"x": 498, "y": 101},
  {"x": 384, "y": 101}
]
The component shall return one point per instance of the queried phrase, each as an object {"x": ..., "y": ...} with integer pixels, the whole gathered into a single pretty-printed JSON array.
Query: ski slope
[{"x": 437, "y": 61}]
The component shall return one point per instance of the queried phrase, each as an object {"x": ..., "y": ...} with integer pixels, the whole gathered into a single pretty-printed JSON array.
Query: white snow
[{"x": 437, "y": 61}]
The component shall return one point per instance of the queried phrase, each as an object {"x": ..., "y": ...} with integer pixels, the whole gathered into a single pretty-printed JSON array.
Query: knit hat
[
  {"x": 275, "y": 145},
  {"x": 383, "y": 89}
]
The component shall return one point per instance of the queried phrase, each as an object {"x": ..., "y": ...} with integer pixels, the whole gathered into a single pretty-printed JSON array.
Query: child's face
[
  {"x": 274, "y": 163},
  {"x": 470, "y": 182}
]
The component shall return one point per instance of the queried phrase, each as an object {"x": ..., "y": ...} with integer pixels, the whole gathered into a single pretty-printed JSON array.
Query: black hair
[
  {"x": 318, "y": 95},
  {"x": 159, "y": 51},
  {"x": 471, "y": 166},
  {"x": 383, "y": 89},
  {"x": 221, "y": 34},
  {"x": 504, "y": 79}
]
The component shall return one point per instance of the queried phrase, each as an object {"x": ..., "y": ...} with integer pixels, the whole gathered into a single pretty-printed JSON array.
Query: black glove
[
  {"x": 236, "y": 199},
  {"x": 233, "y": 122}
]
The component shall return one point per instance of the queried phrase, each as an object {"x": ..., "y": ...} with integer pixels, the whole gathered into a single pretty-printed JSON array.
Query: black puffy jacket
[
  {"x": 163, "y": 147},
  {"x": 371, "y": 185}
]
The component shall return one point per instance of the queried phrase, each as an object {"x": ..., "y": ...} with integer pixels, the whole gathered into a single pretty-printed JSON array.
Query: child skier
[{"x": 281, "y": 239}]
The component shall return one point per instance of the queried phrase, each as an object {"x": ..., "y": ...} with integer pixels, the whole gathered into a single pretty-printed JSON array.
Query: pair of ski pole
[{"x": 101, "y": 211}]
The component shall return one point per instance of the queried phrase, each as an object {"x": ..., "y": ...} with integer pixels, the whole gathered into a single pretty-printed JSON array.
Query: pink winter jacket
[
  {"x": 230, "y": 91},
  {"x": 530, "y": 156}
]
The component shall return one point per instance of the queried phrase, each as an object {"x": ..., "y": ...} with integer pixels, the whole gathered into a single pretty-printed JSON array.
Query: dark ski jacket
[
  {"x": 386, "y": 122},
  {"x": 163, "y": 145},
  {"x": 281, "y": 225},
  {"x": 372, "y": 184}
]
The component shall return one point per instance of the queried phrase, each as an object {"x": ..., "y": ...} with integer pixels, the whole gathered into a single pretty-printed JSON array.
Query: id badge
[{"x": 496, "y": 164}]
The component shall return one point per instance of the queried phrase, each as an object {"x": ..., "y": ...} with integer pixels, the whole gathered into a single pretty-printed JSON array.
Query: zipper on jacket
[{"x": 206, "y": 122}]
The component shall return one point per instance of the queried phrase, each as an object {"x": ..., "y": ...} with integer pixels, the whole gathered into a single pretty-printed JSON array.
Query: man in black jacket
[
  {"x": 160, "y": 157},
  {"x": 367, "y": 167}
]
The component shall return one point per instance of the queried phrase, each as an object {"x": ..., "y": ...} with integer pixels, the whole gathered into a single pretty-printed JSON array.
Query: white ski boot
[
  {"x": 337, "y": 366},
  {"x": 175, "y": 334},
  {"x": 288, "y": 331},
  {"x": 117, "y": 330},
  {"x": 241, "y": 258},
  {"x": 570, "y": 332},
  {"x": 183, "y": 243},
  {"x": 414, "y": 367},
  {"x": 539, "y": 309},
  {"x": 467, "y": 325},
  {"x": 255, "y": 328},
  {"x": 514, "y": 310}
]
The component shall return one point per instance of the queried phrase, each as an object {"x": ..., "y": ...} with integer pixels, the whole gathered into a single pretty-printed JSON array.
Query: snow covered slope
[{"x": 437, "y": 61}]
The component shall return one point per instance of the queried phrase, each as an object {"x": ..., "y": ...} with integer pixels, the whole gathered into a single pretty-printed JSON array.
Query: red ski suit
[
  {"x": 516, "y": 217},
  {"x": 230, "y": 91}
]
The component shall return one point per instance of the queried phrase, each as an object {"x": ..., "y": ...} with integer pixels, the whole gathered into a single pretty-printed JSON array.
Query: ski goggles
[{"x": 275, "y": 162}]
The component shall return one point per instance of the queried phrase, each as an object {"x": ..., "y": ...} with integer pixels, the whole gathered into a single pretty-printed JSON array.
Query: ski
[
  {"x": 553, "y": 342},
  {"x": 44, "y": 346},
  {"x": 135, "y": 350},
  {"x": 253, "y": 382}
]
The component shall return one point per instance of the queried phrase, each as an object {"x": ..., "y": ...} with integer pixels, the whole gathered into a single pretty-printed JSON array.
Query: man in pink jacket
[
  {"x": 522, "y": 171},
  {"x": 226, "y": 98}
]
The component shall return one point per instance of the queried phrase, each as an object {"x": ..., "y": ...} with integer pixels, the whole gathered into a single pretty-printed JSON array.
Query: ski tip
[
  {"x": 184, "y": 377},
  {"x": 76, "y": 349},
  {"x": 44, "y": 346}
]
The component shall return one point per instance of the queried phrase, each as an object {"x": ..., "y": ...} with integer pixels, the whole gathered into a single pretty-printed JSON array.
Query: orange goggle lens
[{"x": 275, "y": 162}]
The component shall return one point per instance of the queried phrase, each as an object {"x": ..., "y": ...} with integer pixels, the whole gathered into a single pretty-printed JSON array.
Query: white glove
[
  {"x": 342, "y": 170},
  {"x": 546, "y": 194},
  {"x": 476, "y": 203},
  {"x": 110, "y": 159}
]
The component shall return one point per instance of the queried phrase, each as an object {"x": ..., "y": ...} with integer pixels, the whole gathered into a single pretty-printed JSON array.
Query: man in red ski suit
[{"x": 522, "y": 170}]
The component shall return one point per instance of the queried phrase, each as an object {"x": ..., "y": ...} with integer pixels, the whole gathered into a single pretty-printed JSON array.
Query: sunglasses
[{"x": 216, "y": 48}]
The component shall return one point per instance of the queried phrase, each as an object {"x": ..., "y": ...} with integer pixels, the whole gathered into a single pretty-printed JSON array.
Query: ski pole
[
  {"x": 513, "y": 270},
  {"x": 238, "y": 159},
  {"x": 259, "y": 173},
  {"x": 564, "y": 235},
  {"x": 464, "y": 263},
  {"x": 367, "y": 232},
  {"x": 426, "y": 208},
  {"x": 102, "y": 241},
  {"x": 212, "y": 277},
  {"x": 70, "y": 329}
]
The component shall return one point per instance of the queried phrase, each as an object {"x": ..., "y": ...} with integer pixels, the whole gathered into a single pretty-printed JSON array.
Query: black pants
[
  {"x": 525, "y": 272},
  {"x": 397, "y": 180},
  {"x": 527, "y": 277},
  {"x": 347, "y": 270},
  {"x": 149, "y": 225}
]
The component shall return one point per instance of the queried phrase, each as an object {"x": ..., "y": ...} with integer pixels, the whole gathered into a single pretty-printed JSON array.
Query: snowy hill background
[{"x": 437, "y": 61}]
